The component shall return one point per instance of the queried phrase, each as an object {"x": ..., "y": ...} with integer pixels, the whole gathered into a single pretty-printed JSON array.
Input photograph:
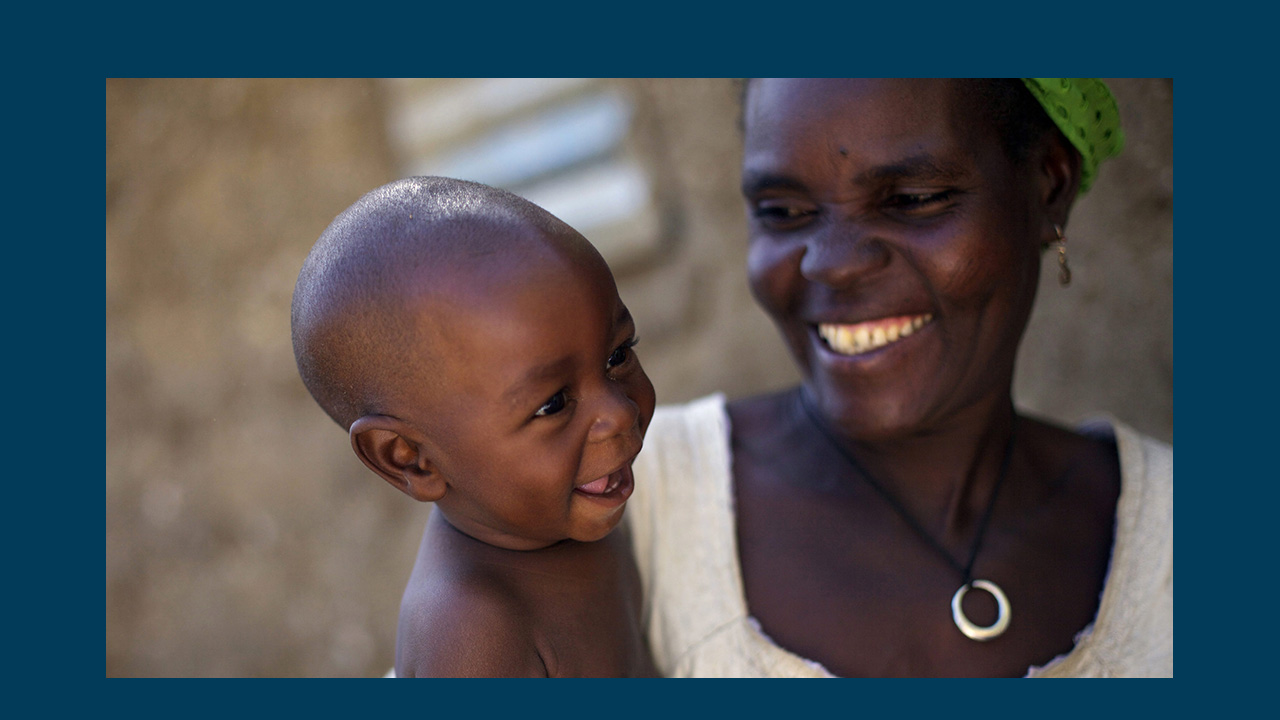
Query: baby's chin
[
  {"x": 595, "y": 531},
  {"x": 507, "y": 540},
  {"x": 604, "y": 531}
]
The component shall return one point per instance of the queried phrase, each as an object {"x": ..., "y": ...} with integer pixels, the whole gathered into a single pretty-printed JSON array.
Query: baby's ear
[{"x": 396, "y": 451}]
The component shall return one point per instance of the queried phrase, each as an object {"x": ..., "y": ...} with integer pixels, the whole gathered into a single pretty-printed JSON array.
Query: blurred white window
[{"x": 560, "y": 142}]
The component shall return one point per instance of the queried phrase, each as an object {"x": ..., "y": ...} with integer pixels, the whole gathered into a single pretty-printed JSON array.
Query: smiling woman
[
  {"x": 923, "y": 215},
  {"x": 896, "y": 232}
]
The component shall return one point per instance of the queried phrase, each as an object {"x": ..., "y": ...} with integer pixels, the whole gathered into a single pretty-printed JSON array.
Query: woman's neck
[{"x": 943, "y": 477}]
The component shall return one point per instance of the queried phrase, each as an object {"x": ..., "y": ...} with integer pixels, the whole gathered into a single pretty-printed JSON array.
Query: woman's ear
[
  {"x": 1060, "y": 172},
  {"x": 395, "y": 450}
]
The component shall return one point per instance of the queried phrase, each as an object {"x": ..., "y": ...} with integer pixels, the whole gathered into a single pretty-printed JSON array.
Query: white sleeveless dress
[{"x": 682, "y": 524}]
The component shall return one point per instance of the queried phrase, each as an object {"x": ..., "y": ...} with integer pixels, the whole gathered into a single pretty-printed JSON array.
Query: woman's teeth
[{"x": 860, "y": 338}]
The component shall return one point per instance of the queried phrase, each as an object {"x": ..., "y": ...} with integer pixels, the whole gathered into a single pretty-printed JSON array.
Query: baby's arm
[{"x": 472, "y": 631}]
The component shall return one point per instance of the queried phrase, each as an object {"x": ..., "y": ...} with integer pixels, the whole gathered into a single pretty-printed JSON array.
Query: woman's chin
[{"x": 867, "y": 416}]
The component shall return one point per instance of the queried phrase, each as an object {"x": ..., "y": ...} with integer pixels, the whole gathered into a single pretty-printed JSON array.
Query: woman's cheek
[{"x": 773, "y": 269}]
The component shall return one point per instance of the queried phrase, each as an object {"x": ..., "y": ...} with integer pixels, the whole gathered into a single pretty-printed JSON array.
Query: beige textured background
[{"x": 243, "y": 537}]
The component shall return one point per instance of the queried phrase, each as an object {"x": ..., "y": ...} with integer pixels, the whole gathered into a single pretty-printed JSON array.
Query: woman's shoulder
[
  {"x": 770, "y": 438},
  {"x": 682, "y": 470},
  {"x": 704, "y": 407},
  {"x": 1146, "y": 470},
  {"x": 1103, "y": 439},
  {"x": 1138, "y": 451},
  {"x": 1132, "y": 634},
  {"x": 1145, "y": 465},
  {"x": 685, "y": 427},
  {"x": 758, "y": 413},
  {"x": 710, "y": 427}
]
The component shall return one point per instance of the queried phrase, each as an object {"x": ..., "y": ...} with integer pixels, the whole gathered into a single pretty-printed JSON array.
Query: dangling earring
[{"x": 1064, "y": 271}]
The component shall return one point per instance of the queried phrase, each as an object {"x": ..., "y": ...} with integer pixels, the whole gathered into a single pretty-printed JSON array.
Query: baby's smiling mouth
[
  {"x": 602, "y": 485},
  {"x": 867, "y": 336}
]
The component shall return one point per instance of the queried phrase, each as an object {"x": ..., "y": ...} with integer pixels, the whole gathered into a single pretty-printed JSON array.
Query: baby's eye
[
  {"x": 621, "y": 355},
  {"x": 552, "y": 406}
]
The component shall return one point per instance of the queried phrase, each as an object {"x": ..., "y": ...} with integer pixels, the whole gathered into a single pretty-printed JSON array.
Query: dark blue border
[{"x": 1222, "y": 524}]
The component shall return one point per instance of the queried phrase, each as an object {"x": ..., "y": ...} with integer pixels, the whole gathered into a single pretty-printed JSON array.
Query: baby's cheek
[{"x": 646, "y": 399}]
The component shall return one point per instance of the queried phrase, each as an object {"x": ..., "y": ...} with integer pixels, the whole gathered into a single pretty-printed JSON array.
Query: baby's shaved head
[{"x": 351, "y": 339}]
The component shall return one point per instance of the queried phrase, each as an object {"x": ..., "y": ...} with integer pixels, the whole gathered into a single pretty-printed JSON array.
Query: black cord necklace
[{"x": 971, "y": 630}]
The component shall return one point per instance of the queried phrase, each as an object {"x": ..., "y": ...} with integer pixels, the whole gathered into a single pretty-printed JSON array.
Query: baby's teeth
[
  {"x": 878, "y": 337},
  {"x": 906, "y": 329},
  {"x": 891, "y": 333}
]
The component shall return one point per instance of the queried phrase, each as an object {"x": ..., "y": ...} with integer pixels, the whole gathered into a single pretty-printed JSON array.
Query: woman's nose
[
  {"x": 616, "y": 414},
  {"x": 842, "y": 256}
]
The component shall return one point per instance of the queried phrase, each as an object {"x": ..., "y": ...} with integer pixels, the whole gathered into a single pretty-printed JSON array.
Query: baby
[{"x": 476, "y": 350}]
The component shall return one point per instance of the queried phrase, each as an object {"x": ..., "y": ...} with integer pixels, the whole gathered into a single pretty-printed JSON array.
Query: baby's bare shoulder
[
  {"x": 463, "y": 615},
  {"x": 468, "y": 625}
]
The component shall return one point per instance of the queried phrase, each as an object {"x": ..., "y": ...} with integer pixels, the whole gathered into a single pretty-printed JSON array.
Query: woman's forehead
[
  {"x": 828, "y": 104},
  {"x": 868, "y": 121}
]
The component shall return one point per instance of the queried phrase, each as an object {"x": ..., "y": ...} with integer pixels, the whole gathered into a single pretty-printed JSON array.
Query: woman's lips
[{"x": 866, "y": 336}]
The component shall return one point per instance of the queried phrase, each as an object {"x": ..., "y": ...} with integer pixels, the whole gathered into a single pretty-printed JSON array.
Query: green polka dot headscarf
[{"x": 1085, "y": 112}]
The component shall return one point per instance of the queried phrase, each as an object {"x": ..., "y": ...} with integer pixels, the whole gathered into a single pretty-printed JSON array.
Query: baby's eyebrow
[
  {"x": 529, "y": 381},
  {"x": 527, "y": 384}
]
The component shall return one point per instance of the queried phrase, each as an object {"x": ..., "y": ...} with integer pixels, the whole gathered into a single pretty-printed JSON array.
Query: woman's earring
[{"x": 1064, "y": 271}]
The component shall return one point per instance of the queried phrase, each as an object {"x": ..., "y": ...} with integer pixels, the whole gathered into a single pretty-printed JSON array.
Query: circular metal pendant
[{"x": 977, "y": 632}]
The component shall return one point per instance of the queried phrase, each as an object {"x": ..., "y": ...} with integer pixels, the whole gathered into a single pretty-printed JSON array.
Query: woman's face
[{"x": 894, "y": 243}]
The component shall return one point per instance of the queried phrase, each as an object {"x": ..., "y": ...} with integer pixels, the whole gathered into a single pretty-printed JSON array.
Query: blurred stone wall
[
  {"x": 244, "y": 538},
  {"x": 1105, "y": 343}
]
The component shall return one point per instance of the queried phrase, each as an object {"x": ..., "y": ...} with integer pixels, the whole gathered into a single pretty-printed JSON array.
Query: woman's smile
[{"x": 864, "y": 337}]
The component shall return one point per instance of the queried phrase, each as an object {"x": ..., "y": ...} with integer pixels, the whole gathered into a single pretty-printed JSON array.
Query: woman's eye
[
  {"x": 552, "y": 406},
  {"x": 621, "y": 355},
  {"x": 921, "y": 202},
  {"x": 780, "y": 213}
]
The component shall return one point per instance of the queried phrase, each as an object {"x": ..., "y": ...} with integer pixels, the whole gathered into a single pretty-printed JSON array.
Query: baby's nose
[{"x": 616, "y": 414}]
